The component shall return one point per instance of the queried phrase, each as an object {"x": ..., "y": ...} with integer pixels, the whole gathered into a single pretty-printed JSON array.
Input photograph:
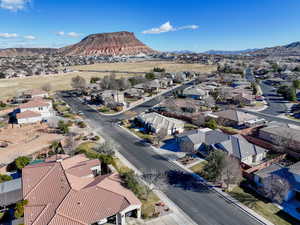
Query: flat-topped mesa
[{"x": 116, "y": 43}]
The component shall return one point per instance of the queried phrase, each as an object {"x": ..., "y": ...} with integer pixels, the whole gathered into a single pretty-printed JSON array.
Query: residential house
[
  {"x": 36, "y": 110},
  {"x": 195, "y": 92},
  {"x": 205, "y": 140},
  {"x": 149, "y": 86},
  {"x": 71, "y": 190},
  {"x": 154, "y": 122},
  {"x": 244, "y": 98},
  {"x": 109, "y": 97},
  {"x": 35, "y": 93},
  {"x": 133, "y": 93},
  {"x": 281, "y": 134},
  {"x": 233, "y": 118},
  {"x": 166, "y": 82},
  {"x": 291, "y": 175}
]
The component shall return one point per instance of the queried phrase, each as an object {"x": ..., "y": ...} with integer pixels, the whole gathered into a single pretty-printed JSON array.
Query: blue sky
[{"x": 196, "y": 25}]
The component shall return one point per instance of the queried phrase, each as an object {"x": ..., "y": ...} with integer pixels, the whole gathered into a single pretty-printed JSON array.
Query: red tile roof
[
  {"x": 27, "y": 114},
  {"x": 34, "y": 104},
  {"x": 58, "y": 193}
]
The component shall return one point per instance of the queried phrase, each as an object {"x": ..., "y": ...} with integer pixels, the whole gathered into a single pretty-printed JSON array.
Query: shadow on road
[{"x": 186, "y": 181}]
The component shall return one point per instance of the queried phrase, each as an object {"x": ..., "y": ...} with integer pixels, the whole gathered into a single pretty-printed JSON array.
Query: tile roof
[
  {"x": 206, "y": 136},
  {"x": 239, "y": 147},
  {"x": 27, "y": 114},
  {"x": 34, "y": 104},
  {"x": 158, "y": 121},
  {"x": 58, "y": 193},
  {"x": 235, "y": 115}
]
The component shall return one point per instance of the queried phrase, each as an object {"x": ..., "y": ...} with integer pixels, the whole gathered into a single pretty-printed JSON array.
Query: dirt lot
[
  {"x": 24, "y": 140},
  {"x": 147, "y": 66}
]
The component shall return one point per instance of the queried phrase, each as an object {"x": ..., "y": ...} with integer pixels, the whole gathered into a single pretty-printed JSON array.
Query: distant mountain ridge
[
  {"x": 292, "y": 49},
  {"x": 114, "y": 44},
  {"x": 224, "y": 52}
]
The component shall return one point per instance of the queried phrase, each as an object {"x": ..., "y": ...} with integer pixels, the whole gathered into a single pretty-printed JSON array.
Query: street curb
[{"x": 227, "y": 197}]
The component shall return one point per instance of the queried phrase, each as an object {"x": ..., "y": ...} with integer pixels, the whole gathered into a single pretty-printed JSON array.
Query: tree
[
  {"x": 108, "y": 148},
  {"x": 161, "y": 134},
  {"x": 289, "y": 93},
  {"x": 21, "y": 162},
  {"x": 94, "y": 80},
  {"x": 156, "y": 181},
  {"x": 296, "y": 84},
  {"x": 160, "y": 70},
  {"x": 209, "y": 101},
  {"x": 212, "y": 124},
  {"x": 19, "y": 209},
  {"x": 150, "y": 76},
  {"x": 275, "y": 187},
  {"x": 254, "y": 88},
  {"x": 215, "y": 163},
  {"x": 47, "y": 87},
  {"x": 78, "y": 82},
  {"x": 63, "y": 127},
  {"x": 4, "y": 178},
  {"x": 231, "y": 173},
  {"x": 124, "y": 83}
]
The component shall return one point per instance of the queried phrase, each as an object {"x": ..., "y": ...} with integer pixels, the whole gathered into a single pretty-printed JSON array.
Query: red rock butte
[{"x": 116, "y": 43}]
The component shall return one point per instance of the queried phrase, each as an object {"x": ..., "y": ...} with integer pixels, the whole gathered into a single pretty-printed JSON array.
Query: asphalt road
[
  {"x": 203, "y": 205},
  {"x": 276, "y": 104}
]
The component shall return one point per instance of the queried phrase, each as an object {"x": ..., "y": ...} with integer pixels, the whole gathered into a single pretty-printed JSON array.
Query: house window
[{"x": 40, "y": 108}]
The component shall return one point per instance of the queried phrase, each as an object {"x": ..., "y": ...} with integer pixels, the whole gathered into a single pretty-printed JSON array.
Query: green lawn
[
  {"x": 198, "y": 167},
  {"x": 263, "y": 207},
  {"x": 189, "y": 126}
]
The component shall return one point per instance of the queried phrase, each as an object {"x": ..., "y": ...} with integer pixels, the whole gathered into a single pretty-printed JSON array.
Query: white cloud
[
  {"x": 70, "y": 34},
  {"x": 30, "y": 37},
  {"x": 7, "y": 35},
  {"x": 14, "y": 5},
  {"x": 73, "y": 34},
  {"x": 167, "y": 27},
  {"x": 60, "y": 33}
]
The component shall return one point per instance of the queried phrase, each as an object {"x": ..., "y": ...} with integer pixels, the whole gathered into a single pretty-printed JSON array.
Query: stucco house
[
  {"x": 72, "y": 190},
  {"x": 205, "y": 140},
  {"x": 109, "y": 96},
  {"x": 33, "y": 111},
  {"x": 233, "y": 118},
  {"x": 154, "y": 122},
  {"x": 291, "y": 175},
  {"x": 35, "y": 93},
  {"x": 281, "y": 134}
]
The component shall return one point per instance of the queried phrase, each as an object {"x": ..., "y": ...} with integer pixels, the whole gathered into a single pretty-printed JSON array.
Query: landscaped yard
[
  {"x": 148, "y": 206},
  {"x": 263, "y": 207},
  {"x": 198, "y": 167}
]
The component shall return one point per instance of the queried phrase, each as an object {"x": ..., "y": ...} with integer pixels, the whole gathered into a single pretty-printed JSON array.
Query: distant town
[{"x": 194, "y": 136}]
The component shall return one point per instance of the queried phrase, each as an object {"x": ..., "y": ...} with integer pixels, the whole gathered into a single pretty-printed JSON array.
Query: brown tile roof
[
  {"x": 27, "y": 114},
  {"x": 35, "y": 92},
  {"x": 235, "y": 115},
  {"x": 58, "y": 193},
  {"x": 34, "y": 104}
]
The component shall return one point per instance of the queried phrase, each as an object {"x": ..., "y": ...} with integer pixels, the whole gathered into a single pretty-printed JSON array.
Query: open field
[
  {"x": 147, "y": 66},
  {"x": 10, "y": 87}
]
